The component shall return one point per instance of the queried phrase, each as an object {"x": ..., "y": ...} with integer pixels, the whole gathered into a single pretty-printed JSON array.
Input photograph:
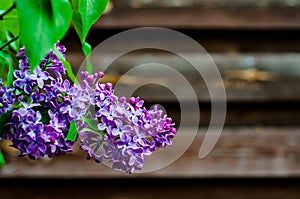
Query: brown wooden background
[{"x": 256, "y": 46}]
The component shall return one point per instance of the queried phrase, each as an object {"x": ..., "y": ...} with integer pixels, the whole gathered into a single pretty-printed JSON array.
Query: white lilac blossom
[
  {"x": 37, "y": 126},
  {"x": 126, "y": 131}
]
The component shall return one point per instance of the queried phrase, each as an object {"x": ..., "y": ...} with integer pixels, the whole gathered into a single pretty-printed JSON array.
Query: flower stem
[
  {"x": 7, "y": 11},
  {"x": 9, "y": 42}
]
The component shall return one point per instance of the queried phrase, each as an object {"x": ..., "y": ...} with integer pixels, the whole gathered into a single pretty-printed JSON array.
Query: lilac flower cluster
[
  {"x": 39, "y": 124},
  {"x": 6, "y": 98},
  {"x": 127, "y": 131},
  {"x": 42, "y": 106}
]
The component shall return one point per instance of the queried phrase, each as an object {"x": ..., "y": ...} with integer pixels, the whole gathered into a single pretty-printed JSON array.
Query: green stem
[
  {"x": 7, "y": 11},
  {"x": 9, "y": 42}
]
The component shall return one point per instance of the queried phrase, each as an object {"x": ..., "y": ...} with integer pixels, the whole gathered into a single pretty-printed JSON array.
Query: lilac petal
[
  {"x": 19, "y": 83},
  {"x": 42, "y": 147},
  {"x": 27, "y": 89},
  {"x": 40, "y": 83},
  {"x": 127, "y": 128},
  {"x": 147, "y": 152},
  {"x": 120, "y": 143},
  {"x": 72, "y": 113},
  {"x": 104, "y": 112},
  {"x": 22, "y": 111},
  {"x": 53, "y": 148},
  {"x": 115, "y": 132},
  {"x": 99, "y": 113},
  {"x": 64, "y": 109},
  {"x": 140, "y": 103},
  {"x": 31, "y": 147},
  {"x": 118, "y": 123},
  {"x": 123, "y": 137},
  {"x": 38, "y": 116},
  {"x": 18, "y": 74},
  {"x": 102, "y": 126},
  {"x": 66, "y": 85},
  {"x": 135, "y": 119},
  {"x": 132, "y": 160},
  {"x": 29, "y": 118}
]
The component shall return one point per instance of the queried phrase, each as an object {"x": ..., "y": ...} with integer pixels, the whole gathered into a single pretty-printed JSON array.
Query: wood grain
[
  {"x": 246, "y": 76},
  {"x": 203, "y": 18},
  {"x": 204, "y": 3},
  {"x": 240, "y": 152}
]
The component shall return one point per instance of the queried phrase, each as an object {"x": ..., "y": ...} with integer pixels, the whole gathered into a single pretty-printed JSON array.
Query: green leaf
[
  {"x": 66, "y": 64},
  {"x": 10, "y": 20},
  {"x": 93, "y": 124},
  {"x": 3, "y": 67},
  {"x": 5, "y": 61},
  {"x": 10, "y": 23},
  {"x": 42, "y": 24},
  {"x": 85, "y": 14},
  {"x": 72, "y": 133},
  {"x": 10, "y": 74},
  {"x": 15, "y": 44},
  {"x": 77, "y": 22},
  {"x": 4, "y": 119},
  {"x": 2, "y": 161},
  {"x": 5, "y": 4},
  {"x": 4, "y": 56}
]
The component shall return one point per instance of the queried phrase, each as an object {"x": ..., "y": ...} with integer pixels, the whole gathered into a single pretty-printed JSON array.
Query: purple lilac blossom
[
  {"x": 126, "y": 131},
  {"x": 6, "y": 98},
  {"x": 37, "y": 126},
  {"x": 45, "y": 104}
]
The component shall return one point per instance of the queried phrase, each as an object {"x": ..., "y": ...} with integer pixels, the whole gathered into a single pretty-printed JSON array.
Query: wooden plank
[
  {"x": 248, "y": 113},
  {"x": 203, "y": 3},
  {"x": 203, "y": 18},
  {"x": 240, "y": 152},
  {"x": 247, "y": 77},
  {"x": 229, "y": 41}
]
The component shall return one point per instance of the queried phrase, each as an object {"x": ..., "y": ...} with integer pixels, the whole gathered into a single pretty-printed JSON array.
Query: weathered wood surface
[
  {"x": 240, "y": 152},
  {"x": 204, "y": 3},
  {"x": 228, "y": 41},
  {"x": 254, "y": 113},
  {"x": 247, "y": 77},
  {"x": 205, "y": 17}
]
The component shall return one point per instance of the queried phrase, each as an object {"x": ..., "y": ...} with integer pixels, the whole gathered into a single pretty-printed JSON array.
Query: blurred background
[{"x": 256, "y": 46}]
